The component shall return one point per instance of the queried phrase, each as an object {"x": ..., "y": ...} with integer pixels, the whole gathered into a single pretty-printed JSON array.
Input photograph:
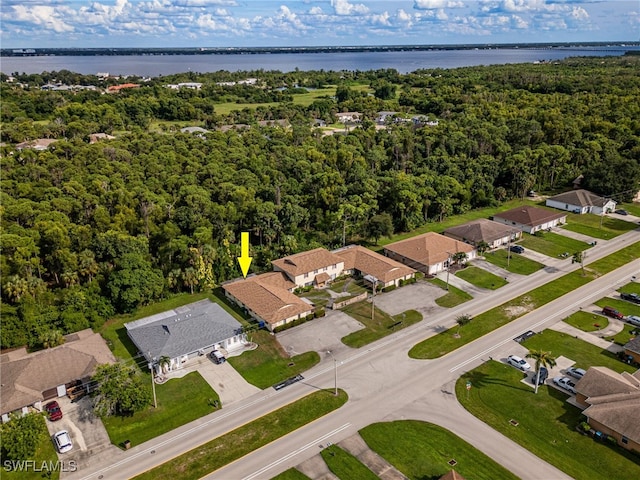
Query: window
[
  {"x": 625, "y": 440},
  {"x": 315, "y": 272},
  {"x": 306, "y": 275}
]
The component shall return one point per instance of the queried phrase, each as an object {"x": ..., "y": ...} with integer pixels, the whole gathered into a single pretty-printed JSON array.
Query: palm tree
[
  {"x": 163, "y": 362},
  {"x": 459, "y": 257},
  {"x": 462, "y": 320},
  {"x": 578, "y": 257},
  {"x": 482, "y": 247},
  {"x": 543, "y": 359}
]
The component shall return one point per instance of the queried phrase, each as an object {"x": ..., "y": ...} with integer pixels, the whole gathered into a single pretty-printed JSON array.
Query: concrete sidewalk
[{"x": 576, "y": 236}]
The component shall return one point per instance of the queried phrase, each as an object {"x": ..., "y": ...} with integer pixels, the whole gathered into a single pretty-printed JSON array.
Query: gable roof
[
  {"x": 581, "y": 198},
  {"x": 371, "y": 263},
  {"x": 633, "y": 345},
  {"x": 429, "y": 248},
  {"x": 617, "y": 412},
  {"x": 269, "y": 301},
  {"x": 182, "y": 331},
  {"x": 26, "y": 375},
  {"x": 481, "y": 230},
  {"x": 604, "y": 381},
  {"x": 531, "y": 216},
  {"x": 305, "y": 262}
]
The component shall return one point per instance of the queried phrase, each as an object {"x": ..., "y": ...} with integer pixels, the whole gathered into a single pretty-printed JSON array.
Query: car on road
[
  {"x": 630, "y": 297},
  {"x": 62, "y": 441},
  {"x": 576, "y": 372},
  {"x": 518, "y": 362},
  {"x": 544, "y": 373},
  {"x": 621, "y": 211},
  {"x": 612, "y": 312},
  {"x": 634, "y": 320},
  {"x": 566, "y": 383},
  {"x": 53, "y": 411},
  {"x": 516, "y": 248}
]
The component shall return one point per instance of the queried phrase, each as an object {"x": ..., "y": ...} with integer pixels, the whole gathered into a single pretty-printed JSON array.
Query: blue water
[{"x": 403, "y": 61}]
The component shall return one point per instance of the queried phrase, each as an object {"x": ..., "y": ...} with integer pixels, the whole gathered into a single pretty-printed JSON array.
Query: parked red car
[{"x": 53, "y": 411}]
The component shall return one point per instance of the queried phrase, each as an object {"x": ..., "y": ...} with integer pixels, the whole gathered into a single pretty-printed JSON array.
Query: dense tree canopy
[{"x": 93, "y": 229}]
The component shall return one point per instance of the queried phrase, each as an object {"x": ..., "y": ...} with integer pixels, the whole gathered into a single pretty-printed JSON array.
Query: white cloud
[
  {"x": 316, "y": 11},
  {"x": 343, "y": 7},
  {"x": 579, "y": 13},
  {"x": 441, "y": 15},
  {"x": 42, "y": 15},
  {"x": 435, "y": 4},
  {"x": 381, "y": 19}
]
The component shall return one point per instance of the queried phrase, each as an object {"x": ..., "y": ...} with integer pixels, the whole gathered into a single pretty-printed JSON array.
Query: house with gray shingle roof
[
  {"x": 493, "y": 233},
  {"x": 186, "y": 332},
  {"x": 612, "y": 402},
  {"x": 581, "y": 201}
]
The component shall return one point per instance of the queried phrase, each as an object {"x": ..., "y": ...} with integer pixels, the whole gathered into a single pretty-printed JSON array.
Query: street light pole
[
  {"x": 448, "y": 268},
  {"x": 153, "y": 384},
  {"x": 335, "y": 373}
]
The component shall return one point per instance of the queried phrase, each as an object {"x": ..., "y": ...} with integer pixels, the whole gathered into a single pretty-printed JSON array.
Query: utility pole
[
  {"x": 153, "y": 383},
  {"x": 448, "y": 268},
  {"x": 335, "y": 373},
  {"x": 373, "y": 297}
]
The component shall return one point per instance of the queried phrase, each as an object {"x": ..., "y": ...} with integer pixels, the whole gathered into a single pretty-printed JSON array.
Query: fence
[{"x": 349, "y": 301}]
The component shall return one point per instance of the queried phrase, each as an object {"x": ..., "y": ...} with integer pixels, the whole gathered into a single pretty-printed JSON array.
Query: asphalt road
[{"x": 383, "y": 383}]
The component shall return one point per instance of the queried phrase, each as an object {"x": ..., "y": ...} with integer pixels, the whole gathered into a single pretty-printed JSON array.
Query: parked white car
[
  {"x": 62, "y": 441},
  {"x": 566, "y": 383},
  {"x": 576, "y": 372},
  {"x": 634, "y": 320},
  {"x": 518, "y": 362}
]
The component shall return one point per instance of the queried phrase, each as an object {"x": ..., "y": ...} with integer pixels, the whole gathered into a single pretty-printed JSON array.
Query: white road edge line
[{"x": 295, "y": 452}]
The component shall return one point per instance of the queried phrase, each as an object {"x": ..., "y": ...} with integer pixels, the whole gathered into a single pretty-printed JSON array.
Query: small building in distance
[
  {"x": 39, "y": 144},
  {"x": 96, "y": 137},
  {"x": 530, "y": 219},
  {"x": 429, "y": 253},
  {"x": 581, "y": 201},
  {"x": 186, "y": 332},
  {"x": 494, "y": 234}
]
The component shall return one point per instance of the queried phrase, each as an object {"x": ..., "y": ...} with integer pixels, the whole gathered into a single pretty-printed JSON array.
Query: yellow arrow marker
[{"x": 244, "y": 259}]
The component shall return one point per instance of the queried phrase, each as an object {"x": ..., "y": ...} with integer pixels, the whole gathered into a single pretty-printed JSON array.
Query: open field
[
  {"x": 422, "y": 450},
  {"x": 481, "y": 278},
  {"x": 552, "y": 244},
  {"x": 239, "y": 442},
  {"x": 589, "y": 224},
  {"x": 546, "y": 422},
  {"x": 180, "y": 401},
  {"x": 512, "y": 262}
]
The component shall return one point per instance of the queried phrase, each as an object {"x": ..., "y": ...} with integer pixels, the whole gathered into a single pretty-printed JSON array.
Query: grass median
[
  {"x": 422, "y": 450},
  {"x": 546, "y": 422},
  {"x": 231, "y": 446},
  {"x": 449, "y": 340}
]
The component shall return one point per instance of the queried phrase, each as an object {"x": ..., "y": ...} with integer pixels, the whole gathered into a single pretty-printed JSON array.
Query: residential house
[
  {"x": 314, "y": 267},
  {"x": 268, "y": 299},
  {"x": 96, "y": 137},
  {"x": 530, "y": 219},
  {"x": 29, "y": 379},
  {"x": 494, "y": 234},
  {"x": 197, "y": 130},
  {"x": 632, "y": 349},
  {"x": 581, "y": 201},
  {"x": 612, "y": 402},
  {"x": 185, "y": 332},
  {"x": 384, "y": 116},
  {"x": 39, "y": 144},
  {"x": 429, "y": 253},
  {"x": 373, "y": 266},
  {"x": 124, "y": 86},
  {"x": 348, "y": 117}
]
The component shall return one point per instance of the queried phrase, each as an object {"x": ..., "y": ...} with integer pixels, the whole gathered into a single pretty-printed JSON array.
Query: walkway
[
  {"x": 575, "y": 235},
  {"x": 591, "y": 337}
]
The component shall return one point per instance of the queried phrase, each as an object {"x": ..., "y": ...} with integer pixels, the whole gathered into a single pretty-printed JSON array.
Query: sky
[{"x": 285, "y": 23}]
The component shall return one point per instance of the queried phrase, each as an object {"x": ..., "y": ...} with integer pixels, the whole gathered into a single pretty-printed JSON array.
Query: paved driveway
[{"x": 319, "y": 335}]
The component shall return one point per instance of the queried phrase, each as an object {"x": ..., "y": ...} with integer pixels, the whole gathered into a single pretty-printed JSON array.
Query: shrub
[
  {"x": 390, "y": 288},
  {"x": 319, "y": 313}
]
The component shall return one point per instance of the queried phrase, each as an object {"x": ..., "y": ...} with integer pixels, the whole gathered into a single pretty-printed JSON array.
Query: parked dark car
[
  {"x": 544, "y": 373},
  {"x": 612, "y": 312},
  {"x": 53, "y": 411},
  {"x": 516, "y": 249},
  {"x": 630, "y": 297},
  {"x": 217, "y": 357},
  {"x": 621, "y": 211}
]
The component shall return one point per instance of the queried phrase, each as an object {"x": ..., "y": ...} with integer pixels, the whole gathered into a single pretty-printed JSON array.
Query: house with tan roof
[
  {"x": 612, "y": 402},
  {"x": 581, "y": 201},
  {"x": 632, "y": 349},
  {"x": 39, "y": 144},
  {"x": 530, "y": 219},
  {"x": 494, "y": 234},
  {"x": 313, "y": 267},
  {"x": 268, "y": 299},
  {"x": 371, "y": 265},
  {"x": 429, "y": 253},
  {"x": 29, "y": 379}
]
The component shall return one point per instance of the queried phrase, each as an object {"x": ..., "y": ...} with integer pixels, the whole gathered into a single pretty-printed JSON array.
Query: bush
[
  {"x": 319, "y": 313},
  {"x": 585, "y": 427},
  {"x": 390, "y": 288}
]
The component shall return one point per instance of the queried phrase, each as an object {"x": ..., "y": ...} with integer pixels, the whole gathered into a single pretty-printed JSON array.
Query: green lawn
[
  {"x": 349, "y": 285},
  {"x": 454, "y": 221},
  {"x": 180, "y": 401},
  {"x": 632, "y": 287},
  {"x": 422, "y": 450},
  {"x": 319, "y": 298},
  {"x": 584, "y": 354},
  {"x": 546, "y": 422},
  {"x": 245, "y": 439},
  {"x": 451, "y": 298},
  {"x": 589, "y": 224},
  {"x": 269, "y": 364},
  {"x": 516, "y": 263},
  {"x": 380, "y": 326},
  {"x": 552, "y": 244},
  {"x": 586, "y": 321},
  {"x": 624, "y": 307},
  {"x": 481, "y": 278},
  {"x": 627, "y": 333},
  {"x": 632, "y": 208},
  {"x": 291, "y": 474},
  {"x": 344, "y": 465},
  {"x": 490, "y": 320},
  {"x": 45, "y": 452}
]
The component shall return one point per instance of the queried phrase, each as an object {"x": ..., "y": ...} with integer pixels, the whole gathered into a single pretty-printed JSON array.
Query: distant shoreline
[{"x": 37, "y": 52}]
